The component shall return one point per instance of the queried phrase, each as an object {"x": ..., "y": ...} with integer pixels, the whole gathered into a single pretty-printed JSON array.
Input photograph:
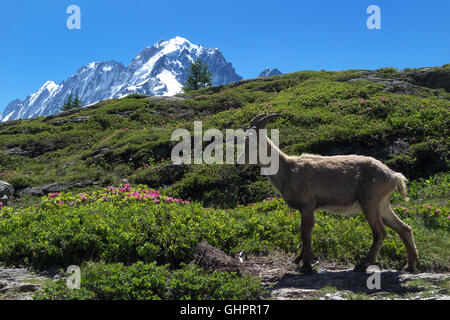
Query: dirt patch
[{"x": 210, "y": 258}]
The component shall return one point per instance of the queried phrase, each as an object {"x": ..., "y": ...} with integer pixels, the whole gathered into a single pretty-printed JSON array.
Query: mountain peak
[
  {"x": 158, "y": 70},
  {"x": 268, "y": 72},
  {"x": 178, "y": 40},
  {"x": 50, "y": 85},
  {"x": 173, "y": 43}
]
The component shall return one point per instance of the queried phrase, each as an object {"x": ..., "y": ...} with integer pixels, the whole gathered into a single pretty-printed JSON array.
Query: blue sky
[{"x": 291, "y": 35}]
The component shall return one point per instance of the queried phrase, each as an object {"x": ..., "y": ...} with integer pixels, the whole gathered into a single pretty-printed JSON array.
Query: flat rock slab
[
  {"x": 55, "y": 187},
  {"x": 165, "y": 98},
  {"x": 306, "y": 286},
  {"x": 15, "y": 283}
]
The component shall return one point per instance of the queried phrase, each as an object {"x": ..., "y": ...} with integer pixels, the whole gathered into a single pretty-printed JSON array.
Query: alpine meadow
[{"x": 95, "y": 187}]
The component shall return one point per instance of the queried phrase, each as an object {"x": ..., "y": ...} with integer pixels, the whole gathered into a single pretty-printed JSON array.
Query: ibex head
[{"x": 252, "y": 141}]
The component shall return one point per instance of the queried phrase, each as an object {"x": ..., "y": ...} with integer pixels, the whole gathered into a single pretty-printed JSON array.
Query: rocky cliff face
[
  {"x": 159, "y": 70},
  {"x": 430, "y": 77}
]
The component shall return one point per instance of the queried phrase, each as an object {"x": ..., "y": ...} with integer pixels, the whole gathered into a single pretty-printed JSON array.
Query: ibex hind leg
[
  {"x": 373, "y": 216},
  {"x": 391, "y": 220}
]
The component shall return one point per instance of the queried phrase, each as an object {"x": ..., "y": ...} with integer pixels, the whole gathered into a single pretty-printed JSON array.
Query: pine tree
[
  {"x": 71, "y": 103},
  {"x": 67, "y": 103},
  {"x": 199, "y": 77},
  {"x": 77, "y": 102}
]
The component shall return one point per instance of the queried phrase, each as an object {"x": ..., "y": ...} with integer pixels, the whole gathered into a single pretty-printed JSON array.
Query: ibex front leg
[{"x": 306, "y": 256}]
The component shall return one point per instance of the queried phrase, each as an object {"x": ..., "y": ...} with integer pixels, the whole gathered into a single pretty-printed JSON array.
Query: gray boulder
[
  {"x": 6, "y": 192},
  {"x": 40, "y": 191}
]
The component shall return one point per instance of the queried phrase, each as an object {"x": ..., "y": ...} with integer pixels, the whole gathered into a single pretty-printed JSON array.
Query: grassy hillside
[
  {"x": 399, "y": 117},
  {"x": 380, "y": 113}
]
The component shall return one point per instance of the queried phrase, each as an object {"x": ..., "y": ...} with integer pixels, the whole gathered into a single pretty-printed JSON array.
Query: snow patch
[
  {"x": 7, "y": 117},
  {"x": 171, "y": 82},
  {"x": 50, "y": 86}
]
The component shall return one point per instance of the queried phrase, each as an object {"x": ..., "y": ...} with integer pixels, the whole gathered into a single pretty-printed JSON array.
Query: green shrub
[
  {"x": 152, "y": 282},
  {"x": 213, "y": 185},
  {"x": 430, "y": 157},
  {"x": 116, "y": 227},
  {"x": 158, "y": 176},
  {"x": 257, "y": 191},
  {"x": 388, "y": 72}
]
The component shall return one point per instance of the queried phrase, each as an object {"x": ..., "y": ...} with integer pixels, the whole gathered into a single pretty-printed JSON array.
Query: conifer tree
[
  {"x": 71, "y": 103},
  {"x": 199, "y": 77}
]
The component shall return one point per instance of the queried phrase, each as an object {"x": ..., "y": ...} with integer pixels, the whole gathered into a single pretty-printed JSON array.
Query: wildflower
[
  {"x": 61, "y": 202},
  {"x": 438, "y": 211},
  {"x": 1, "y": 204},
  {"x": 428, "y": 207}
]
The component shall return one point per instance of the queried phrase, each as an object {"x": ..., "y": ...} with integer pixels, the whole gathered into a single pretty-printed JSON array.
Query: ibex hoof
[
  {"x": 409, "y": 269},
  {"x": 299, "y": 259},
  {"x": 306, "y": 269},
  {"x": 360, "y": 268}
]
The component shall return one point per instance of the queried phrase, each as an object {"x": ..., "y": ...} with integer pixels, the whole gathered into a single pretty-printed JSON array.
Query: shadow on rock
[{"x": 390, "y": 281}]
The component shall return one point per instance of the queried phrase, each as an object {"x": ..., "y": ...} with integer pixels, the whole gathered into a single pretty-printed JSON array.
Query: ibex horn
[
  {"x": 261, "y": 123},
  {"x": 254, "y": 121}
]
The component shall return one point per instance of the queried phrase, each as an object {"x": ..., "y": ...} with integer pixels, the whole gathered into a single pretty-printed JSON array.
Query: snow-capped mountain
[
  {"x": 268, "y": 72},
  {"x": 157, "y": 70}
]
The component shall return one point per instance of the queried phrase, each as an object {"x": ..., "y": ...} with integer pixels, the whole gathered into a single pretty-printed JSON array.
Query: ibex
[{"x": 345, "y": 184}]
